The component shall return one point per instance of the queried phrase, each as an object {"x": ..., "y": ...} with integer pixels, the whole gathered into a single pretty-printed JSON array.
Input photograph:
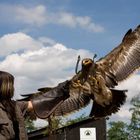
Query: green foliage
[
  {"x": 134, "y": 127},
  {"x": 72, "y": 121},
  {"x": 117, "y": 131},
  {"x": 29, "y": 124},
  {"x": 58, "y": 122},
  {"x": 53, "y": 124},
  {"x": 122, "y": 131}
]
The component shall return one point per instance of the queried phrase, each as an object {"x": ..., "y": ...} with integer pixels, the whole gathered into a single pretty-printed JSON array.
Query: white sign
[{"x": 87, "y": 133}]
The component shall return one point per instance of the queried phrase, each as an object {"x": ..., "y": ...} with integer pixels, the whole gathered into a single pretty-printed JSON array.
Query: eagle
[{"x": 96, "y": 81}]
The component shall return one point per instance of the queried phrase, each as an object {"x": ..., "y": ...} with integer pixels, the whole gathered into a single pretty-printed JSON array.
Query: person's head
[{"x": 6, "y": 85}]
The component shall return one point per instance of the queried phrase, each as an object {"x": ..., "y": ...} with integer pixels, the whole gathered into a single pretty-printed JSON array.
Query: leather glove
[{"x": 45, "y": 103}]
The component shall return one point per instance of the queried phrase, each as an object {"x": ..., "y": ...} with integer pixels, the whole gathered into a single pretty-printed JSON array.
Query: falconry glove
[{"x": 46, "y": 103}]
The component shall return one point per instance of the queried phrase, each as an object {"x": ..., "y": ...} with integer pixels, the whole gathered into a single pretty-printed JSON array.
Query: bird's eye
[{"x": 85, "y": 62}]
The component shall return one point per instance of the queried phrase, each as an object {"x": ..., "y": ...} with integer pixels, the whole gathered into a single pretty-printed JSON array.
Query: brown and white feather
[
  {"x": 124, "y": 59},
  {"x": 78, "y": 99}
]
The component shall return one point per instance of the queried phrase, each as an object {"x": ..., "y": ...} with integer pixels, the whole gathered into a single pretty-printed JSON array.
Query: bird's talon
[{"x": 77, "y": 84}]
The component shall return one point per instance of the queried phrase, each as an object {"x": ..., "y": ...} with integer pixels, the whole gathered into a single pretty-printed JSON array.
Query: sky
[{"x": 40, "y": 40}]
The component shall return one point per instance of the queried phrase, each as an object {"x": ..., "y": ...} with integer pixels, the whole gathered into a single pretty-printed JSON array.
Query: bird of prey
[{"x": 96, "y": 81}]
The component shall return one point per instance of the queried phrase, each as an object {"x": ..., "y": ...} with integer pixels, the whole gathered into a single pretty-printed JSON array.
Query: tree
[
  {"x": 134, "y": 127},
  {"x": 29, "y": 124},
  {"x": 73, "y": 121},
  {"x": 54, "y": 123},
  {"x": 117, "y": 131},
  {"x": 122, "y": 131}
]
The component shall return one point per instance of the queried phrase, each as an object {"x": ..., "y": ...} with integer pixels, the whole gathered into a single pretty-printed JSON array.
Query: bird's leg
[
  {"x": 82, "y": 87},
  {"x": 77, "y": 83},
  {"x": 93, "y": 80},
  {"x": 102, "y": 94},
  {"x": 94, "y": 84},
  {"x": 104, "y": 91}
]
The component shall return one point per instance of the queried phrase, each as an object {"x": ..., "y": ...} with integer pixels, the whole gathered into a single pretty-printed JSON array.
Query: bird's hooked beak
[{"x": 87, "y": 62}]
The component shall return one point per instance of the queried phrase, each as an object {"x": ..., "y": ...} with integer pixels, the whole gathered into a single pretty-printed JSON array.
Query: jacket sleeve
[
  {"x": 23, "y": 105},
  {"x": 6, "y": 127},
  {"x": 2, "y": 137}
]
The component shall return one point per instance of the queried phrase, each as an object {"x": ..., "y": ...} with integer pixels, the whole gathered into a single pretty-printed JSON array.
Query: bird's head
[{"x": 87, "y": 63}]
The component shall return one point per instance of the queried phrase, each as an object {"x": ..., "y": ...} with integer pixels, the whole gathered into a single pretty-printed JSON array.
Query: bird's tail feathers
[{"x": 118, "y": 99}]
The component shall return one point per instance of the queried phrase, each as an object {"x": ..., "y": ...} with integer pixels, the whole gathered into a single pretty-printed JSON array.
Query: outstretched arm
[
  {"x": 30, "y": 106},
  {"x": 45, "y": 103}
]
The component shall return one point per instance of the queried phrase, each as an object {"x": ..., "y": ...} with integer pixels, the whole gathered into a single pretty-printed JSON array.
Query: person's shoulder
[{"x": 23, "y": 105}]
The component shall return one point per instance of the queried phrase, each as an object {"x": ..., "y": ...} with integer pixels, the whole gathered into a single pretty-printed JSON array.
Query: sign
[{"x": 87, "y": 133}]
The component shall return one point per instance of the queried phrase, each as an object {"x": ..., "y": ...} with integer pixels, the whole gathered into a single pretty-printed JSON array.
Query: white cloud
[
  {"x": 70, "y": 20},
  {"x": 17, "y": 42},
  {"x": 64, "y": 18},
  {"x": 86, "y": 22},
  {"x": 124, "y": 113},
  {"x": 133, "y": 87},
  {"x": 38, "y": 16},
  {"x": 34, "y": 16},
  {"x": 38, "y": 65},
  {"x": 43, "y": 62},
  {"x": 47, "y": 41}
]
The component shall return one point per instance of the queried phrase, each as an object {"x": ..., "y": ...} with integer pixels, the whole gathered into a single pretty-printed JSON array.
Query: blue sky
[
  {"x": 115, "y": 17},
  {"x": 40, "y": 40}
]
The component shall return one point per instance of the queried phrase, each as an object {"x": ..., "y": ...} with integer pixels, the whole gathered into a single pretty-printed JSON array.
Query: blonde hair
[{"x": 6, "y": 85}]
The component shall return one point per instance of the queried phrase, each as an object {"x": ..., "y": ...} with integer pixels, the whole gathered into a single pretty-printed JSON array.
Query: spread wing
[
  {"x": 71, "y": 105},
  {"x": 77, "y": 100},
  {"x": 45, "y": 89},
  {"x": 124, "y": 59},
  {"x": 27, "y": 97}
]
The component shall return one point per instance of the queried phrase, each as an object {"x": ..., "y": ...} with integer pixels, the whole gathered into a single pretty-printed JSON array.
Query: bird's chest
[{"x": 97, "y": 82}]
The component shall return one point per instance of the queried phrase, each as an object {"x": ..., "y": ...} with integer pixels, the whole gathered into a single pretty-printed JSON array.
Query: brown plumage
[{"x": 96, "y": 80}]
